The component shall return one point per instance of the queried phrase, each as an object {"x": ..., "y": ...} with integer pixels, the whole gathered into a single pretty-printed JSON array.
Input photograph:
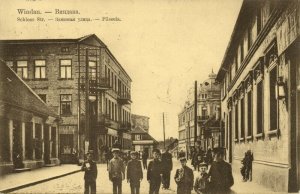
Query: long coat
[
  {"x": 166, "y": 160},
  {"x": 221, "y": 177},
  {"x": 90, "y": 169},
  {"x": 134, "y": 172},
  {"x": 185, "y": 184}
]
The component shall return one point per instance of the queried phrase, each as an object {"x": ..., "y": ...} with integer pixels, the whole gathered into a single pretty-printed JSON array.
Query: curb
[{"x": 37, "y": 182}]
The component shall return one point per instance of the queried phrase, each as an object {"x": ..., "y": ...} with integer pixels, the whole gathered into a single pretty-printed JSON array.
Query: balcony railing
[
  {"x": 95, "y": 85},
  {"x": 202, "y": 118},
  {"x": 124, "y": 98},
  {"x": 125, "y": 126}
]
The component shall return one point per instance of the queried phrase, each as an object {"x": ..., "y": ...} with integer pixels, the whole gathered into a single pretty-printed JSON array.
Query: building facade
[
  {"x": 140, "y": 121},
  {"x": 260, "y": 92},
  {"x": 83, "y": 82},
  {"x": 208, "y": 119},
  {"x": 28, "y": 127}
]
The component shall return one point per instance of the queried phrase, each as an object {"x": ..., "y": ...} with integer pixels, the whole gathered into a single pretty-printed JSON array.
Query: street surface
[{"x": 75, "y": 184}]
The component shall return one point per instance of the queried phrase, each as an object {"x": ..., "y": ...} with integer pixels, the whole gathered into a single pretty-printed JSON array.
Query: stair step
[{"x": 21, "y": 170}]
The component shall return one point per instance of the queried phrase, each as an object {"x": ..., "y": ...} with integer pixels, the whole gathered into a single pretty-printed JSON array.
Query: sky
[{"x": 163, "y": 45}]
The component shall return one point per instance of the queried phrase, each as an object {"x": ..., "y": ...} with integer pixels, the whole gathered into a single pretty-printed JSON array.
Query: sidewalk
[{"x": 14, "y": 181}]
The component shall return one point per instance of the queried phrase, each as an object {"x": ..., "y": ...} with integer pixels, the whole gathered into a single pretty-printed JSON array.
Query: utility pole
[
  {"x": 87, "y": 103},
  {"x": 164, "y": 130},
  {"x": 195, "y": 114}
]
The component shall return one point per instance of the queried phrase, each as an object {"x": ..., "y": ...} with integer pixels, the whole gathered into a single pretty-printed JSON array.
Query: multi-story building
[
  {"x": 140, "y": 121},
  {"x": 83, "y": 82},
  {"x": 261, "y": 92},
  {"x": 208, "y": 122},
  {"x": 28, "y": 127}
]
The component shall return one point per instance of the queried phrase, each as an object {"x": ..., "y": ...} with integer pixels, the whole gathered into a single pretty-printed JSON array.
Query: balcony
[
  {"x": 202, "y": 119},
  {"x": 124, "y": 98},
  {"x": 124, "y": 126},
  {"x": 101, "y": 84}
]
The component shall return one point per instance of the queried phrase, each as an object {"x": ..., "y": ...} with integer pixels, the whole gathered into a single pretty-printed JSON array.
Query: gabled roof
[
  {"x": 82, "y": 39},
  {"x": 15, "y": 92},
  {"x": 138, "y": 130}
]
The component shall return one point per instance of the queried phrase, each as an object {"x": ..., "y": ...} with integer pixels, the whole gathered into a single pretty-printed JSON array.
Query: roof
[
  {"x": 15, "y": 92},
  {"x": 243, "y": 14},
  {"x": 65, "y": 40},
  {"x": 138, "y": 130}
]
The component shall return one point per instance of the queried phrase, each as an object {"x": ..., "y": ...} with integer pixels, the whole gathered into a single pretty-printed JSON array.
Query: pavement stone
[{"x": 75, "y": 184}]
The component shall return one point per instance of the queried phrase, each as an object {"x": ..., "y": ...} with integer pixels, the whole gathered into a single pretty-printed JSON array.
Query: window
[
  {"x": 242, "y": 52},
  {"x": 10, "y": 64},
  {"x": 249, "y": 115},
  {"x": 22, "y": 69},
  {"x": 28, "y": 141},
  {"x": 259, "y": 20},
  {"x": 273, "y": 100},
  {"x": 65, "y": 49},
  {"x": 65, "y": 104},
  {"x": 259, "y": 108},
  {"x": 66, "y": 145},
  {"x": 242, "y": 118},
  {"x": 236, "y": 122},
  {"x": 39, "y": 69},
  {"x": 43, "y": 97},
  {"x": 92, "y": 70},
  {"x": 138, "y": 137},
  {"x": 65, "y": 69}
]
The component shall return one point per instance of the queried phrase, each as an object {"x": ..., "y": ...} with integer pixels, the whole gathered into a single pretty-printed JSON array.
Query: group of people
[
  {"x": 199, "y": 156},
  {"x": 218, "y": 179}
]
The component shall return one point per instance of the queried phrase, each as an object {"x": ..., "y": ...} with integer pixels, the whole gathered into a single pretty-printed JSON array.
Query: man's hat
[
  {"x": 203, "y": 164},
  {"x": 156, "y": 150},
  {"x": 115, "y": 150},
  {"x": 181, "y": 159},
  {"x": 133, "y": 153}
]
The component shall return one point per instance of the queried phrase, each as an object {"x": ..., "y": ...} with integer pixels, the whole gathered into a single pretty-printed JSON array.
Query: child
[
  {"x": 134, "y": 173},
  {"x": 90, "y": 168},
  {"x": 201, "y": 185},
  {"x": 116, "y": 171}
]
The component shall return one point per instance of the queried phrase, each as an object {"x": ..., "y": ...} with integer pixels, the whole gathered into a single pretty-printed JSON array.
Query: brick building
[
  {"x": 56, "y": 70},
  {"x": 260, "y": 92},
  {"x": 28, "y": 127}
]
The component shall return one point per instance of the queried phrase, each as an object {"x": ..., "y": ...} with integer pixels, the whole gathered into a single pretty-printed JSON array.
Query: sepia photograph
[{"x": 141, "y": 96}]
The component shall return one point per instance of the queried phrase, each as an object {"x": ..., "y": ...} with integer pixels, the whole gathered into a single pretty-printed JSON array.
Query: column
[
  {"x": 56, "y": 137},
  {"x": 43, "y": 143},
  {"x": 23, "y": 139},
  {"x": 51, "y": 141},
  {"x": 10, "y": 126},
  {"x": 33, "y": 136}
]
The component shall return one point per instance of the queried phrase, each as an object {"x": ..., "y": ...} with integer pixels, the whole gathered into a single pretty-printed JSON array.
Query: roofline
[
  {"x": 231, "y": 42},
  {"x": 65, "y": 40}
]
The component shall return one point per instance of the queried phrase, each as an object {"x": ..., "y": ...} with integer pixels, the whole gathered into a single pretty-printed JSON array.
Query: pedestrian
[
  {"x": 116, "y": 171},
  {"x": 198, "y": 161},
  {"x": 167, "y": 164},
  {"x": 90, "y": 174},
  {"x": 145, "y": 158},
  {"x": 220, "y": 173},
  {"x": 117, "y": 145},
  {"x": 184, "y": 178},
  {"x": 201, "y": 185},
  {"x": 108, "y": 156},
  {"x": 246, "y": 169},
  {"x": 154, "y": 172},
  {"x": 134, "y": 173}
]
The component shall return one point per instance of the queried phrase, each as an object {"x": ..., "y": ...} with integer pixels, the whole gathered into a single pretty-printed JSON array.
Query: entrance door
[
  {"x": 17, "y": 145},
  {"x": 47, "y": 145}
]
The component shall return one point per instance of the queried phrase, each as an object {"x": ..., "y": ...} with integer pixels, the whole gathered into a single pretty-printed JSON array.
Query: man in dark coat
[
  {"x": 154, "y": 173},
  {"x": 167, "y": 163},
  {"x": 90, "y": 168},
  {"x": 184, "y": 178},
  {"x": 145, "y": 158},
  {"x": 134, "y": 173},
  {"x": 220, "y": 173}
]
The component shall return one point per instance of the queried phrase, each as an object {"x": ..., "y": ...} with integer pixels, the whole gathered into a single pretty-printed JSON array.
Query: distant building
[
  {"x": 173, "y": 148},
  {"x": 82, "y": 80},
  {"x": 260, "y": 77},
  {"x": 28, "y": 127},
  {"x": 140, "y": 121},
  {"x": 209, "y": 133},
  {"x": 141, "y": 139}
]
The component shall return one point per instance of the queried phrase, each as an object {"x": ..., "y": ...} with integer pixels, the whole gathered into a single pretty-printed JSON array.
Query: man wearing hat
[
  {"x": 167, "y": 163},
  {"x": 184, "y": 178},
  {"x": 90, "y": 173},
  {"x": 134, "y": 173},
  {"x": 116, "y": 171},
  {"x": 220, "y": 173},
  {"x": 154, "y": 172}
]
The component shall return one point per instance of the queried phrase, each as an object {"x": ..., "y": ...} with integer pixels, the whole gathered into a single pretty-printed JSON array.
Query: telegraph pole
[
  {"x": 195, "y": 114},
  {"x": 164, "y": 130},
  {"x": 87, "y": 103}
]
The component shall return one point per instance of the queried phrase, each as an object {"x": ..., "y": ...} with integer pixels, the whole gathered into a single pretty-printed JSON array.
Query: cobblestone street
[{"x": 74, "y": 184}]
